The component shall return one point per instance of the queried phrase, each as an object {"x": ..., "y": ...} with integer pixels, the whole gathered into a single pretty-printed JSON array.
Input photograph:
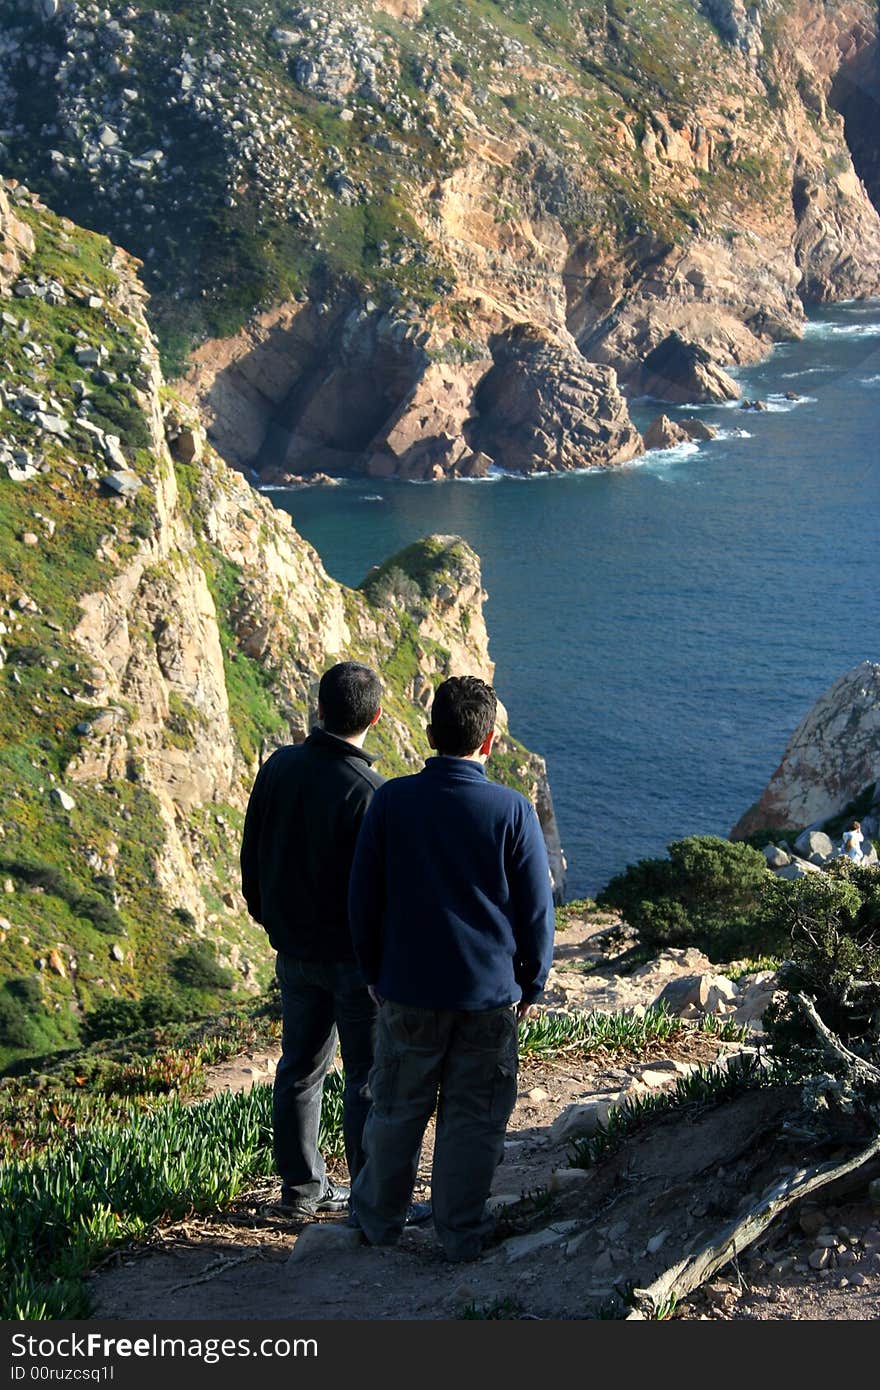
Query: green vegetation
[
  {"x": 430, "y": 565},
  {"x": 586, "y": 1033},
  {"x": 59, "y": 1212},
  {"x": 570, "y": 913},
  {"x": 832, "y": 921},
  {"x": 704, "y": 1087},
  {"x": 249, "y": 682},
  {"x": 705, "y": 894}
]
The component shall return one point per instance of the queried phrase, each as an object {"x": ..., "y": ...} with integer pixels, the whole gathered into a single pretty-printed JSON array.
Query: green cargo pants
[{"x": 465, "y": 1064}]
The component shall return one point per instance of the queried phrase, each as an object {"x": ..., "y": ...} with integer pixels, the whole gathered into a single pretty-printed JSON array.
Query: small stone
[
  {"x": 324, "y": 1239},
  {"x": 820, "y": 1258},
  {"x": 30, "y": 538},
  {"x": 811, "y": 1221},
  {"x": 55, "y": 962},
  {"x": 655, "y": 1242},
  {"x": 117, "y": 953},
  {"x": 64, "y": 799},
  {"x": 567, "y": 1179},
  {"x": 538, "y": 1093},
  {"x": 501, "y": 1200}
]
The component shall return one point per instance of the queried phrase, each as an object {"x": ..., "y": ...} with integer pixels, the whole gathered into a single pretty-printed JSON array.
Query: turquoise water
[{"x": 659, "y": 631}]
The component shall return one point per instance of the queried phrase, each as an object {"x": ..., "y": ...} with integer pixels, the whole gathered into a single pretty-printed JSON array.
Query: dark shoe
[
  {"x": 419, "y": 1213},
  {"x": 335, "y": 1198}
]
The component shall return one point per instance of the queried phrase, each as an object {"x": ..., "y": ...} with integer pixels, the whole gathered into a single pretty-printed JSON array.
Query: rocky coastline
[{"x": 465, "y": 243}]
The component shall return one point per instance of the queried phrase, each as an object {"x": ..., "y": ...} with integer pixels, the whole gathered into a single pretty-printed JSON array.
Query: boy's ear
[
  {"x": 488, "y": 742},
  {"x": 377, "y": 716},
  {"x": 429, "y": 732}
]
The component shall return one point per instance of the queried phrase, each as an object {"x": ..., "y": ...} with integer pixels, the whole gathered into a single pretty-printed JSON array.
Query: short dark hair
[
  {"x": 462, "y": 715},
  {"x": 349, "y": 695}
]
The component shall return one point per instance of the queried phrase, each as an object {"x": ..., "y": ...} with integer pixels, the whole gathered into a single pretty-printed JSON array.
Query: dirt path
[{"x": 564, "y": 1235}]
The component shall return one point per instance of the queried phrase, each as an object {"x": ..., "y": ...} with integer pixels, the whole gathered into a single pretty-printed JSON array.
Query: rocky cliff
[
  {"x": 832, "y": 760},
  {"x": 162, "y": 626},
  {"x": 389, "y": 226}
]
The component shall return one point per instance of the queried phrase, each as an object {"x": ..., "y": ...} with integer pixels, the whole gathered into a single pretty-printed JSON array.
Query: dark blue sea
[{"x": 660, "y": 630}]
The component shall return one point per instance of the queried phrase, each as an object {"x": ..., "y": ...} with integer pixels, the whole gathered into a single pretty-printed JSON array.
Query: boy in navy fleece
[{"x": 451, "y": 914}]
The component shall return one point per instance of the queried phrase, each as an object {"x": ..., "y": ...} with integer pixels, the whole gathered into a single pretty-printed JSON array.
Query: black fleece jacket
[{"x": 302, "y": 821}]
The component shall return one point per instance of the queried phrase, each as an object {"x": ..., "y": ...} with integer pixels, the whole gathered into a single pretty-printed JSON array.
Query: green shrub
[
  {"x": 198, "y": 968},
  {"x": 16, "y": 1026},
  {"x": 395, "y": 588},
  {"x": 706, "y": 894},
  {"x": 832, "y": 922},
  {"x": 117, "y": 1018}
]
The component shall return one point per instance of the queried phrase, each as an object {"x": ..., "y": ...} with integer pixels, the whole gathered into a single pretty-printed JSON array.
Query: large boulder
[
  {"x": 664, "y": 433},
  {"x": 679, "y": 372},
  {"x": 543, "y": 407},
  {"x": 831, "y": 758},
  {"x": 814, "y": 845}
]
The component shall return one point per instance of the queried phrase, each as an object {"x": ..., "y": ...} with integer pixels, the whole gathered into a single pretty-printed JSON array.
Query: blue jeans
[{"x": 319, "y": 1001}]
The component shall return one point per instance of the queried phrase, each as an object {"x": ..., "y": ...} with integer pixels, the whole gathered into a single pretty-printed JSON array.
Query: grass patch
[
  {"x": 585, "y": 1033},
  {"x": 702, "y": 1088},
  {"x": 60, "y": 1212}
]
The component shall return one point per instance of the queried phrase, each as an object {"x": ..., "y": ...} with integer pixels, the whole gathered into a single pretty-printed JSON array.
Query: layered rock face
[
  {"x": 157, "y": 643},
  {"x": 832, "y": 757},
  {"x": 543, "y": 408},
  {"x": 407, "y": 191}
]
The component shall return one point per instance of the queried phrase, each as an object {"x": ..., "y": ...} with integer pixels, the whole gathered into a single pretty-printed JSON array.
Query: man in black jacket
[{"x": 302, "y": 822}]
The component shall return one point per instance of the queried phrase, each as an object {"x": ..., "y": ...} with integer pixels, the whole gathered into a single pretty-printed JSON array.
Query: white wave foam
[
  {"x": 870, "y": 380},
  {"x": 778, "y": 405},
  {"x": 733, "y": 434},
  {"x": 371, "y": 497},
  {"x": 806, "y": 371},
  {"x": 842, "y": 330},
  {"x": 659, "y": 458}
]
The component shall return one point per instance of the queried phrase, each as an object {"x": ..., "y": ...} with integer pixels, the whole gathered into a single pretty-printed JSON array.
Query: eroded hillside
[{"x": 161, "y": 627}]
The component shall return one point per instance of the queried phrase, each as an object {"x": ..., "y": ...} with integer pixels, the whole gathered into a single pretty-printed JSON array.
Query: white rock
[
  {"x": 323, "y": 1239},
  {"x": 567, "y": 1179},
  {"x": 64, "y": 799},
  {"x": 576, "y": 1121},
  {"x": 518, "y": 1247}
]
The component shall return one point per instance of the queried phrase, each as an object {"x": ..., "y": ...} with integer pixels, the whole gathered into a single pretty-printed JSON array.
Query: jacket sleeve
[
  {"x": 366, "y": 891},
  {"x": 532, "y": 898},
  {"x": 250, "y": 847}
]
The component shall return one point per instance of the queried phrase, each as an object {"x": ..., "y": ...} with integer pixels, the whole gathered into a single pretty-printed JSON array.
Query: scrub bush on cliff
[
  {"x": 705, "y": 894},
  {"x": 832, "y": 921}
]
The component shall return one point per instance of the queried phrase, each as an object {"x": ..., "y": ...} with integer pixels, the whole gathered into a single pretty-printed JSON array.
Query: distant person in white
[{"x": 852, "y": 842}]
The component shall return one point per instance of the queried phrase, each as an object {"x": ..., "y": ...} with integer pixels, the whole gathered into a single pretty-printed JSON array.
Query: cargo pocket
[{"x": 504, "y": 1085}]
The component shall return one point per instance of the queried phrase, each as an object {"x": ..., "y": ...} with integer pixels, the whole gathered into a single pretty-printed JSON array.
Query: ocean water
[{"x": 660, "y": 630}]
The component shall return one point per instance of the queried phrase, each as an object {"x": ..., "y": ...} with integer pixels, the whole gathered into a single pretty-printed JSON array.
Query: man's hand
[
  {"x": 524, "y": 1011},
  {"x": 376, "y": 998}
]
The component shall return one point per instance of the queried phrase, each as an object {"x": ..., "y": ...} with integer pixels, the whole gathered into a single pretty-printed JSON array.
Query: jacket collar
[
  {"x": 457, "y": 768},
  {"x": 338, "y": 745}
]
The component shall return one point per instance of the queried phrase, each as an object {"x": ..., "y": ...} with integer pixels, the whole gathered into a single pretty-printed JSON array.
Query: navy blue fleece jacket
[{"x": 450, "y": 903}]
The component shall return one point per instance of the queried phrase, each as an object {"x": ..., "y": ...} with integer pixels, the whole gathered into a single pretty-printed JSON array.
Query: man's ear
[
  {"x": 430, "y": 736},
  {"x": 486, "y": 746},
  {"x": 320, "y": 713},
  {"x": 376, "y": 717}
]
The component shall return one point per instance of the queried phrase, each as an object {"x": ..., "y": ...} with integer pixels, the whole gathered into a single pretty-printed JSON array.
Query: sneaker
[
  {"x": 419, "y": 1213},
  {"x": 335, "y": 1198}
]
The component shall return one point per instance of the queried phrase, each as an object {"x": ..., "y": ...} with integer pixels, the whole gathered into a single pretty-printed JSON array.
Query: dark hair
[
  {"x": 462, "y": 715},
  {"x": 349, "y": 695}
]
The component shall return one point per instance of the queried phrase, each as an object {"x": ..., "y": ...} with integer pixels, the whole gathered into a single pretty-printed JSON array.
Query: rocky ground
[{"x": 566, "y": 1236}]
